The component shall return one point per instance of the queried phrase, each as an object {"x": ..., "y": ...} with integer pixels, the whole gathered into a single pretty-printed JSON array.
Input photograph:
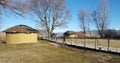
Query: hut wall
[
  {"x": 73, "y": 36},
  {"x": 18, "y": 38}
]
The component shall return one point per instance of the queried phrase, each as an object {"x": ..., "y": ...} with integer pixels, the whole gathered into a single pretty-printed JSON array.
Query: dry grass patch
[
  {"x": 43, "y": 52},
  {"x": 104, "y": 42}
]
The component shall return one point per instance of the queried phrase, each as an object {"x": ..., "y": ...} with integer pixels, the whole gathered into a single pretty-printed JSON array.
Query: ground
[{"x": 43, "y": 52}]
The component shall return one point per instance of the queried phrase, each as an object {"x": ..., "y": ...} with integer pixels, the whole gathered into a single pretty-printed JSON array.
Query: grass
[{"x": 43, "y": 52}]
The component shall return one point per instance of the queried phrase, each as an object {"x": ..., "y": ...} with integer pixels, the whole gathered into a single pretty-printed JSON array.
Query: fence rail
[{"x": 98, "y": 44}]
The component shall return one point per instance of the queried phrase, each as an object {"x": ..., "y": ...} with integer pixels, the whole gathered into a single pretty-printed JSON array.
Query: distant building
[
  {"x": 87, "y": 35},
  {"x": 70, "y": 34},
  {"x": 21, "y": 34},
  {"x": 53, "y": 35}
]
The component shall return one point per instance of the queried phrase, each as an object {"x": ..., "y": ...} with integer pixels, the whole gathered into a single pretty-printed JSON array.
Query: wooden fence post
[
  {"x": 84, "y": 42},
  {"x": 108, "y": 44},
  {"x": 71, "y": 41},
  {"x": 76, "y": 41},
  {"x": 95, "y": 43}
]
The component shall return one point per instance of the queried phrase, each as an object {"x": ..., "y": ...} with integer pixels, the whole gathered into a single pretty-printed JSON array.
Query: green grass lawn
[{"x": 43, "y": 52}]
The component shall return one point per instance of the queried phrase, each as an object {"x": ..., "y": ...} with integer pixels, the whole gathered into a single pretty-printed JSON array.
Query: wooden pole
[
  {"x": 71, "y": 41},
  {"x": 108, "y": 44},
  {"x": 95, "y": 43},
  {"x": 76, "y": 41},
  {"x": 84, "y": 42}
]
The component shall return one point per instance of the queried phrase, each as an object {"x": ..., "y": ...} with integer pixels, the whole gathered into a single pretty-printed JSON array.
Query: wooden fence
[{"x": 98, "y": 44}]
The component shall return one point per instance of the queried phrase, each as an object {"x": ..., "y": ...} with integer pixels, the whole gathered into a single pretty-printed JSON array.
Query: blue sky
[{"x": 74, "y": 6}]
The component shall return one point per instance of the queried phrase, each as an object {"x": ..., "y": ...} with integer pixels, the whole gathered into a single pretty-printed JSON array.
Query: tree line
[{"x": 99, "y": 17}]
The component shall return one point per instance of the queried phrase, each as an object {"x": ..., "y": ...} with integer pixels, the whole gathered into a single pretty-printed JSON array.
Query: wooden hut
[
  {"x": 21, "y": 34},
  {"x": 70, "y": 34},
  {"x": 87, "y": 35}
]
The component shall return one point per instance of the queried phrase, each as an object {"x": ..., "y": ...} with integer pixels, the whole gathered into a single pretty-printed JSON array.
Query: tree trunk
[{"x": 48, "y": 31}]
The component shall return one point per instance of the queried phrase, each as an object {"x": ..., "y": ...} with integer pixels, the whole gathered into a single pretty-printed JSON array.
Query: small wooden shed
[{"x": 21, "y": 34}]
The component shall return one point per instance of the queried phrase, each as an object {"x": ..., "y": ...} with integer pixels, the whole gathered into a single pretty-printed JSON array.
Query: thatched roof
[
  {"x": 69, "y": 33},
  {"x": 21, "y": 29}
]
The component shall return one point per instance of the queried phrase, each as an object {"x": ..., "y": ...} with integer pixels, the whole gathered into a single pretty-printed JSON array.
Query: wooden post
[
  {"x": 95, "y": 43},
  {"x": 108, "y": 44},
  {"x": 76, "y": 41},
  {"x": 56, "y": 39},
  {"x": 71, "y": 41},
  {"x": 84, "y": 42},
  {"x": 64, "y": 40}
]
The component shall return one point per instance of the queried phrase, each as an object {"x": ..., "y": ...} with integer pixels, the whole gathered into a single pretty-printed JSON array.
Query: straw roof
[
  {"x": 21, "y": 29},
  {"x": 69, "y": 32}
]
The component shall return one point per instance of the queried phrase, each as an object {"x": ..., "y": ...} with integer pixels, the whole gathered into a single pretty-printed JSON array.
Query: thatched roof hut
[
  {"x": 87, "y": 35},
  {"x": 21, "y": 34},
  {"x": 70, "y": 34}
]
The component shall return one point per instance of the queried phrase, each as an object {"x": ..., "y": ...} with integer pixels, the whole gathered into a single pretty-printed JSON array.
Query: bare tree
[
  {"x": 14, "y": 7},
  {"x": 51, "y": 14},
  {"x": 88, "y": 22},
  {"x": 100, "y": 17},
  {"x": 83, "y": 20}
]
